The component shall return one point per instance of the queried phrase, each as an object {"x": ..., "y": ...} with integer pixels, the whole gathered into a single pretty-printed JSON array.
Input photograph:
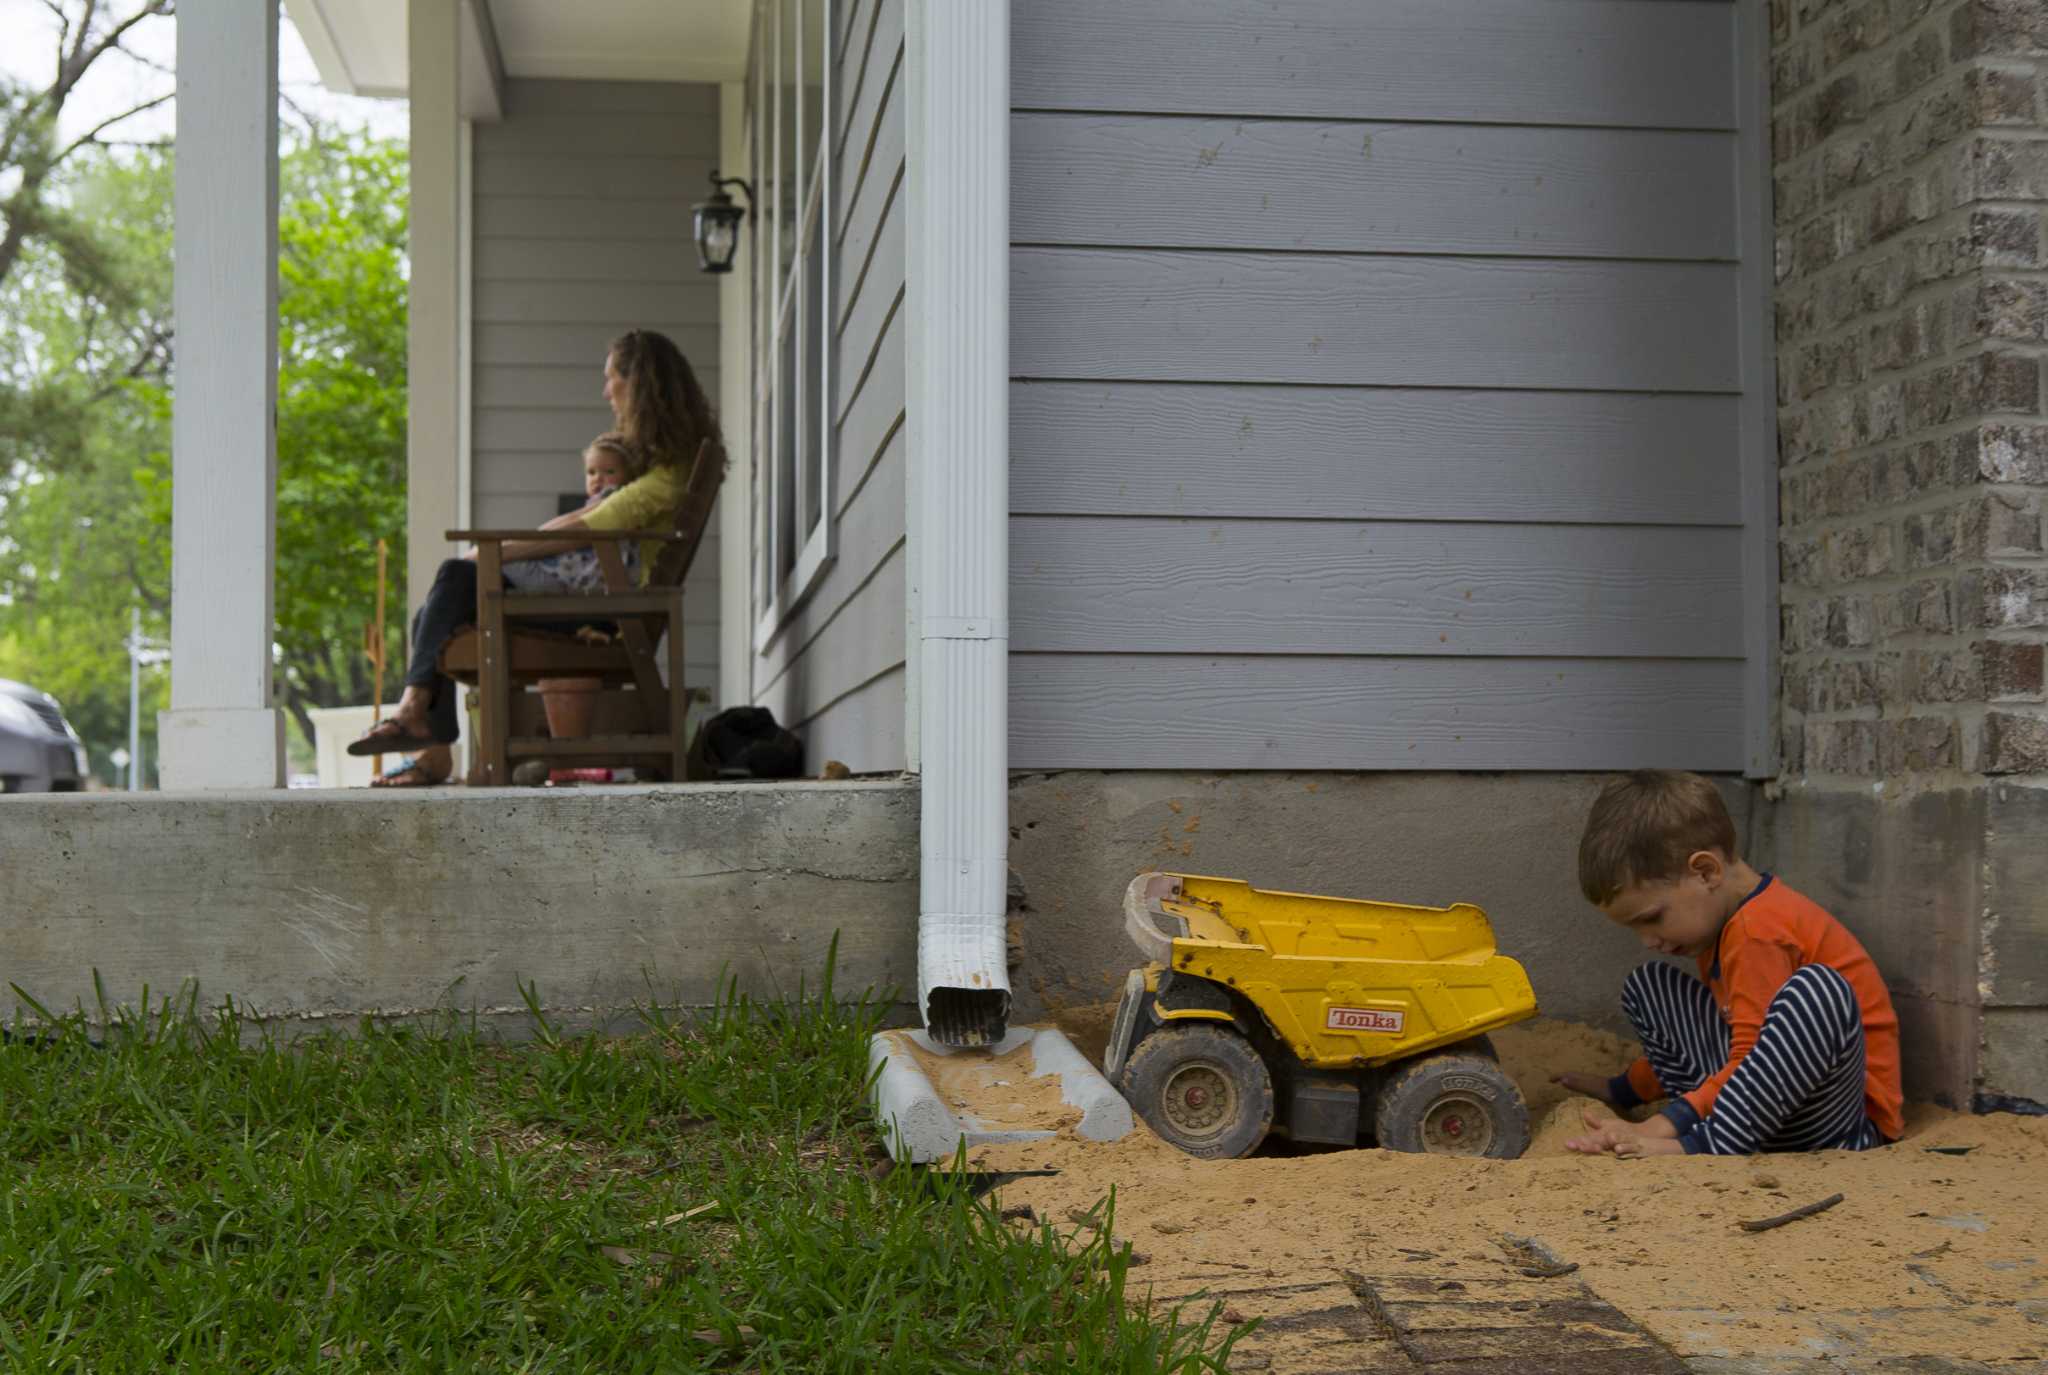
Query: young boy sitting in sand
[{"x": 1785, "y": 1042}]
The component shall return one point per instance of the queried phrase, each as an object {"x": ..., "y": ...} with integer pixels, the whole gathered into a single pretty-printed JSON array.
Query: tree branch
[
  {"x": 93, "y": 133},
  {"x": 83, "y": 57},
  {"x": 45, "y": 108},
  {"x": 63, "y": 27},
  {"x": 149, "y": 360},
  {"x": 150, "y": 600}
]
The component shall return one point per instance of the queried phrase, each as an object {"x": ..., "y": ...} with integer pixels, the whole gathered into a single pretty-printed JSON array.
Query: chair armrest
[{"x": 577, "y": 536}]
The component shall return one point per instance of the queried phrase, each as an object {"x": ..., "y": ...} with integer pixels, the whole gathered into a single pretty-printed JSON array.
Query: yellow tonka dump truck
[{"x": 1345, "y": 1014}]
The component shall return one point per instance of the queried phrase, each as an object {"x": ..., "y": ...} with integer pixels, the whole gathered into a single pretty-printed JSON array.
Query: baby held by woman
[{"x": 609, "y": 463}]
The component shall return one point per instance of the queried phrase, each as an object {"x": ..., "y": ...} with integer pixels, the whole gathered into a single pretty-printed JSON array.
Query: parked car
[{"x": 39, "y": 752}]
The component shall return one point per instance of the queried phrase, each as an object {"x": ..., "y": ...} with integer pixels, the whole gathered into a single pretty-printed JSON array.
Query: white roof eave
[{"x": 359, "y": 46}]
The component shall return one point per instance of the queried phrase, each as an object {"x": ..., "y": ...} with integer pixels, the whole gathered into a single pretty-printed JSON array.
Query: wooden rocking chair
[{"x": 504, "y": 651}]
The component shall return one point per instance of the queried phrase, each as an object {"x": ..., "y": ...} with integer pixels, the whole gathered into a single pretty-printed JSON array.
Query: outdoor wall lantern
[{"x": 718, "y": 224}]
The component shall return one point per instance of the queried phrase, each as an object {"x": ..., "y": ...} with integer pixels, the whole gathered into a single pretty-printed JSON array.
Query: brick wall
[{"x": 1910, "y": 159}]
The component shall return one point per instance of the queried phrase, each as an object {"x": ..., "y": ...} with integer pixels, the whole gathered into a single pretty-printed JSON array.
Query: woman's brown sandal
[
  {"x": 408, "y": 775},
  {"x": 388, "y": 737}
]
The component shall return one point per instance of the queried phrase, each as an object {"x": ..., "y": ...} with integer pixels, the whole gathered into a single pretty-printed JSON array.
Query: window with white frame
[{"x": 789, "y": 103}]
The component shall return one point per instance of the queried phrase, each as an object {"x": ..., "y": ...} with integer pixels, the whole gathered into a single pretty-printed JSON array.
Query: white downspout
[{"x": 957, "y": 61}]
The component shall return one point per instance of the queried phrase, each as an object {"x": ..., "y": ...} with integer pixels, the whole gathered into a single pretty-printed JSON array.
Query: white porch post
[
  {"x": 957, "y": 64},
  {"x": 221, "y": 730},
  {"x": 736, "y": 418},
  {"x": 433, "y": 330}
]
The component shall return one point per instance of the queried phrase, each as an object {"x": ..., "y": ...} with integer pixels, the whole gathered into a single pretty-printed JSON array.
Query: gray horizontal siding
[
  {"x": 1668, "y": 64},
  {"x": 1147, "y": 711},
  {"x": 585, "y": 260},
  {"x": 582, "y": 302},
  {"x": 581, "y": 229},
  {"x": 1365, "y": 453},
  {"x": 1377, "y": 384},
  {"x": 864, "y": 724},
  {"x": 615, "y": 176},
  {"x": 1386, "y": 188},
  {"x": 835, "y": 669},
  {"x": 1335, "y": 587},
  {"x": 564, "y": 344},
  {"x": 1378, "y": 321},
  {"x": 579, "y": 216}
]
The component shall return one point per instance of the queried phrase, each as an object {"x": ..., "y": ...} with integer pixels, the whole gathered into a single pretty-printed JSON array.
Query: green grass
[{"x": 430, "y": 1200}]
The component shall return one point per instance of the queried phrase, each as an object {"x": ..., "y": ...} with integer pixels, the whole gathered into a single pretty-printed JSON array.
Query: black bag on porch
[{"x": 744, "y": 742}]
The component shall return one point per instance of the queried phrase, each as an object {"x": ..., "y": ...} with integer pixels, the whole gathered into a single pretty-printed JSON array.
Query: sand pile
[
  {"x": 1929, "y": 1253},
  {"x": 998, "y": 1092}
]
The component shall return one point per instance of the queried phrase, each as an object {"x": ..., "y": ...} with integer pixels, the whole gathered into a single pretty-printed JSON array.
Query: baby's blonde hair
[{"x": 629, "y": 454}]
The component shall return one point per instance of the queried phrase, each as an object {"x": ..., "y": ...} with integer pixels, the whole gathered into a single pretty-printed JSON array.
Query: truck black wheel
[
  {"x": 1202, "y": 1088},
  {"x": 1452, "y": 1105}
]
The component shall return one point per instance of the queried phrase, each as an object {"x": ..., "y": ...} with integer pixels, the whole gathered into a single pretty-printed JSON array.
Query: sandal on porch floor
[
  {"x": 386, "y": 738},
  {"x": 409, "y": 775}
]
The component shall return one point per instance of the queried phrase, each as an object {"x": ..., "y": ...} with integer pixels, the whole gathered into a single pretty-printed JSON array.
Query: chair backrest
[{"x": 693, "y": 516}]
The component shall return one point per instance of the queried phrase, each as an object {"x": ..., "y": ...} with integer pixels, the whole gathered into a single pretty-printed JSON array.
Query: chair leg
[
  {"x": 494, "y": 698},
  {"x": 678, "y": 695}
]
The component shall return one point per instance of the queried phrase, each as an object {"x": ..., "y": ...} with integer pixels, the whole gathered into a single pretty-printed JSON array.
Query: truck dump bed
[{"x": 1342, "y": 981}]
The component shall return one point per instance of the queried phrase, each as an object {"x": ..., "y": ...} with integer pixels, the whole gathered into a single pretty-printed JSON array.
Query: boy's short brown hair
[{"x": 1645, "y": 825}]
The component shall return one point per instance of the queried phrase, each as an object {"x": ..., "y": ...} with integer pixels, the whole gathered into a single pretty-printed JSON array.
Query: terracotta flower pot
[{"x": 569, "y": 704}]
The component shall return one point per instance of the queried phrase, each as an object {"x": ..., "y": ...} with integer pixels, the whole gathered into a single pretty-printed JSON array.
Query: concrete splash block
[{"x": 923, "y": 1123}]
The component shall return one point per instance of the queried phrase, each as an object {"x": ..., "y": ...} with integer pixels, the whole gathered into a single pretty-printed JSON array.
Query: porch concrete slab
[
  {"x": 925, "y": 1122},
  {"x": 317, "y": 908}
]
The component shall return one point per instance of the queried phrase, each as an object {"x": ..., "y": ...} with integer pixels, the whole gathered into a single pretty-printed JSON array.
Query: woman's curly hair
[{"x": 666, "y": 413}]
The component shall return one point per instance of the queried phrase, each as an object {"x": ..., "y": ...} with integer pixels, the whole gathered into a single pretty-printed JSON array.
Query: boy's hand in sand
[
  {"x": 1589, "y": 1085},
  {"x": 1628, "y": 1140}
]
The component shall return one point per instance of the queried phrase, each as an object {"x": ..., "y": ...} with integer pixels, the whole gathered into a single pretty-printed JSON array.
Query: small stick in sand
[{"x": 1765, "y": 1224}]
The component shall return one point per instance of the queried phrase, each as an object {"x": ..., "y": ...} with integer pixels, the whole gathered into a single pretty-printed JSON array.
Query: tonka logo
[{"x": 1365, "y": 1019}]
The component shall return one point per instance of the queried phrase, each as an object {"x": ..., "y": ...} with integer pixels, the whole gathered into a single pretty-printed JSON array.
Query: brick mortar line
[
  {"x": 1795, "y": 596},
  {"x": 1924, "y": 294},
  {"x": 1943, "y": 500},
  {"x": 1967, "y": 351},
  {"x": 1857, "y": 195},
  {"x": 1886, "y": 250},
  {"x": 1927, "y": 292},
  {"x": 1988, "y": 416},
  {"x": 1946, "y": 432},
  {"x": 1936, "y": 21}
]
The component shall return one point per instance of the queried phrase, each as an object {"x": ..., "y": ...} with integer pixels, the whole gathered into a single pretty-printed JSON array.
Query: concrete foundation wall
[
  {"x": 1508, "y": 842},
  {"x": 1903, "y": 874},
  {"x": 312, "y": 907}
]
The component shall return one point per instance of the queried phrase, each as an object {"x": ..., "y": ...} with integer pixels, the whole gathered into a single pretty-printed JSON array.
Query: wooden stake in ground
[
  {"x": 375, "y": 649},
  {"x": 1766, "y": 1223}
]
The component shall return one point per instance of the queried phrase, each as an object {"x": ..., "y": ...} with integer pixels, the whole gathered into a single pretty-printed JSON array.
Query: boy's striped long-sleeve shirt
[{"x": 1775, "y": 931}]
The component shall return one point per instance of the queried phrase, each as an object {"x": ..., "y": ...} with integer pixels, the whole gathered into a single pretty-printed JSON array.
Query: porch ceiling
[{"x": 360, "y": 45}]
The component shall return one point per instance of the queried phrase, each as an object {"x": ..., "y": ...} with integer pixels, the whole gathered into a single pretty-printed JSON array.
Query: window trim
[{"x": 785, "y": 578}]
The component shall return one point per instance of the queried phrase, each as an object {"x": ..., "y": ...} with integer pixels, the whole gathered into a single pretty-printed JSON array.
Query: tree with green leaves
[{"x": 85, "y": 472}]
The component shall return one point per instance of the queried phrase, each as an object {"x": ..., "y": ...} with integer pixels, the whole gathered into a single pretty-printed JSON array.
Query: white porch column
[
  {"x": 221, "y": 730},
  {"x": 434, "y": 326},
  {"x": 957, "y": 307},
  {"x": 736, "y": 418}
]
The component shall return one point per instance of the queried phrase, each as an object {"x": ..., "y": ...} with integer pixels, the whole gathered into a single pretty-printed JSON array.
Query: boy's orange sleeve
[
  {"x": 1643, "y": 1079},
  {"x": 1753, "y": 971}
]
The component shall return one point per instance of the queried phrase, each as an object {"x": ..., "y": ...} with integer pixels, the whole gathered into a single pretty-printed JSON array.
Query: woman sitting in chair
[{"x": 658, "y": 404}]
